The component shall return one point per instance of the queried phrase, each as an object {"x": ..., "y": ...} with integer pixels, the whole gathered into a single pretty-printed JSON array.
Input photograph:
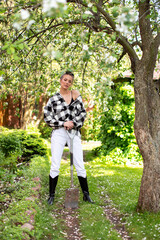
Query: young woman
[{"x": 65, "y": 112}]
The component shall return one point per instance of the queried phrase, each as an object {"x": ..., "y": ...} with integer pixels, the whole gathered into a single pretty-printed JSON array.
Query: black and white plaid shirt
[{"x": 57, "y": 111}]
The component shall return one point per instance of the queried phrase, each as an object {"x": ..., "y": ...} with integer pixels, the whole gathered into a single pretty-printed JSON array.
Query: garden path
[
  {"x": 71, "y": 230},
  {"x": 70, "y": 216},
  {"x": 115, "y": 217}
]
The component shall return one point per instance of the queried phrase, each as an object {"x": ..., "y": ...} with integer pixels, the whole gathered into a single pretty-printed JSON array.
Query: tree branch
[
  {"x": 122, "y": 55},
  {"x": 86, "y": 63},
  {"x": 129, "y": 49},
  {"x": 82, "y": 4},
  {"x": 144, "y": 23},
  {"x": 51, "y": 27},
  {"x": 157, "y": 40},
  {"x": 120, "y": 39},
  {"x": 107, "y": 16},
  {"x": 137, "y": 43}
]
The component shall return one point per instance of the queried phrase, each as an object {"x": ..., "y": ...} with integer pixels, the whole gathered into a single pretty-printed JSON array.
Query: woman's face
[{"x": 66, "y": 81}]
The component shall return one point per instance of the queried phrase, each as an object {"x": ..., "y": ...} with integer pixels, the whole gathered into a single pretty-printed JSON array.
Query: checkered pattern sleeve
[
  {"x": 80, "y": 115},
  {"x": 50, "y": 116}
]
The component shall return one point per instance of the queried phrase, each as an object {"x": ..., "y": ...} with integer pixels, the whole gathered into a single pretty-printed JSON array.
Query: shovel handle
[
  {"x": 71, "y": 161},
  {"x": 71, "y": 156}
]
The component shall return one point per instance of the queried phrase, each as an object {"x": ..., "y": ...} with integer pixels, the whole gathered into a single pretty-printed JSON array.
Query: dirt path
[
  {"x": 115, "y": 218},
  {"x": 71, "y": 221},
  {"x": 71, "y": 228},
  {"x": 70, "y": 216}
]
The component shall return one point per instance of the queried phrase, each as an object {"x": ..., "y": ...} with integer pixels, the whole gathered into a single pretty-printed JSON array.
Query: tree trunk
[{"x": 147, "y": 132}]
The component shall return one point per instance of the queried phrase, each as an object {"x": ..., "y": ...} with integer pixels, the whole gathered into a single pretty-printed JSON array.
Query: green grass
[
  {"x": 94, "y": 224},
  {"x": 16, "y": 215},
  {"x": 106, "y": 181},
  {"x": 122, "y": 184}
]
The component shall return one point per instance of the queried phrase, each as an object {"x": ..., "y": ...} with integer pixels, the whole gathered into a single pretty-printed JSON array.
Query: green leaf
[
  {"x": 5, "y": 46},
  {"x": 94, "y": 9},
  {"x": 20, "y": 46},
  {"x": 16, "y": 57},
  {"x": 85, "y": 16},
  {"x": 11, "y": 50},
  {"x": 2, "y": 10},
  {"x": 2, "y": 72},
  {"x": 115, "y": 11}
]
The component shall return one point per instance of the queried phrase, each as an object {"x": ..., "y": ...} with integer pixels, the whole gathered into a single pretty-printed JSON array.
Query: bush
[
  {"x": 9, "y": 143},
  {"x": 10, "y": 150},
  {"x": 31, "y": 144},
  {"x": 3, "y": 129},
  {"x": 2, "y": 157},
  {"x": 45, "y": 130},
  {"x": 117, "y": 121},
  {"x": 19, "y": 145}
]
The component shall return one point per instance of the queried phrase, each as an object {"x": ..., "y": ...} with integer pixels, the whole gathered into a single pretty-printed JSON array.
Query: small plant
[
  {"x": 45, "y": 130},
  {"x": 32, "y": 145},
  {"x": 9, "y": 143},
  {"x": 10, "y": 150},
  {"x": 20, "y": 145}
]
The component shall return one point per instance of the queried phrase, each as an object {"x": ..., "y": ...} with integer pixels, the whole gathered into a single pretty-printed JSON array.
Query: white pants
[{"x": 58, "y": 140}]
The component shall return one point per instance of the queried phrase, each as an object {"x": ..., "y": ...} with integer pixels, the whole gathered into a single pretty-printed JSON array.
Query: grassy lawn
[{"x": 116, "y": 185}]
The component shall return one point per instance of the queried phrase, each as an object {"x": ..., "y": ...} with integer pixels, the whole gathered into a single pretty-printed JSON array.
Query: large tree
[
  {"x": 98, "y": 20},
  {"x": 147, "y": 98}
]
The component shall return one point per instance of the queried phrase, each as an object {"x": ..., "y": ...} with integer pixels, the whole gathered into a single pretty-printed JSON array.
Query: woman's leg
[
  {"x": 57, "y": 145},
  {"x": 58, "y": 141},
  {"x": 79, "y": 165},
  {"x": 78, "y": 156}
]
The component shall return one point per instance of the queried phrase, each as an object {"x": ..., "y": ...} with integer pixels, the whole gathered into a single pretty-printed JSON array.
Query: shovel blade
[{"x": 71, "y": 198}]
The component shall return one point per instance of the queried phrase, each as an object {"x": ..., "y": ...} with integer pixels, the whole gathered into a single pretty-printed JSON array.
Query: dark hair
[{"x": 67, "y": 73}]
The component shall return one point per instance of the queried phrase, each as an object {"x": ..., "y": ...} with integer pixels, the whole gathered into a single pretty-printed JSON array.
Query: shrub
[
  {"x": 3, "y": 129},
  {"x": 2, "y": 157},
  {"x": 19, "y": 145},
  {"x": 117, "y": 121},
  {"x": 130, "y": 156},
  {"x": 10, "y": 150},
  {"x": 9, "y": 143},
  {"x": 31, "y": 144},
  {"x": 45, "y": 130}
]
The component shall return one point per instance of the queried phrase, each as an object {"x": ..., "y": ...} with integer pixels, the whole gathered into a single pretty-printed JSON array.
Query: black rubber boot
[
  {"x": 84, "y": 187},
  {"x": 52, "y": 187}
]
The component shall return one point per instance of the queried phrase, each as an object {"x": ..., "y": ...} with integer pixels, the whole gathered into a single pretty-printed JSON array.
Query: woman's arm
[
  {"x": 49, "y": 117},
  {"x": 81, "y": 115}
]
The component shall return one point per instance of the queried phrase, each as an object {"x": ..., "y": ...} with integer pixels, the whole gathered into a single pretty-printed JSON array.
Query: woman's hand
[{"x": 68, "y": 125}]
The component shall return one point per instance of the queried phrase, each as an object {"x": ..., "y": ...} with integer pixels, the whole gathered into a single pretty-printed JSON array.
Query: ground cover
[{"x": 115, "y": 187}]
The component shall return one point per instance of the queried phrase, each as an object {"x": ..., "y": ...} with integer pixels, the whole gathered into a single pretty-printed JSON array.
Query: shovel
[{"x": 72, "y": 193}]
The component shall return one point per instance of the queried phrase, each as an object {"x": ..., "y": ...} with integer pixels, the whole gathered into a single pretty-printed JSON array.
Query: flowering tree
[{"x": 75, "y": 33}]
